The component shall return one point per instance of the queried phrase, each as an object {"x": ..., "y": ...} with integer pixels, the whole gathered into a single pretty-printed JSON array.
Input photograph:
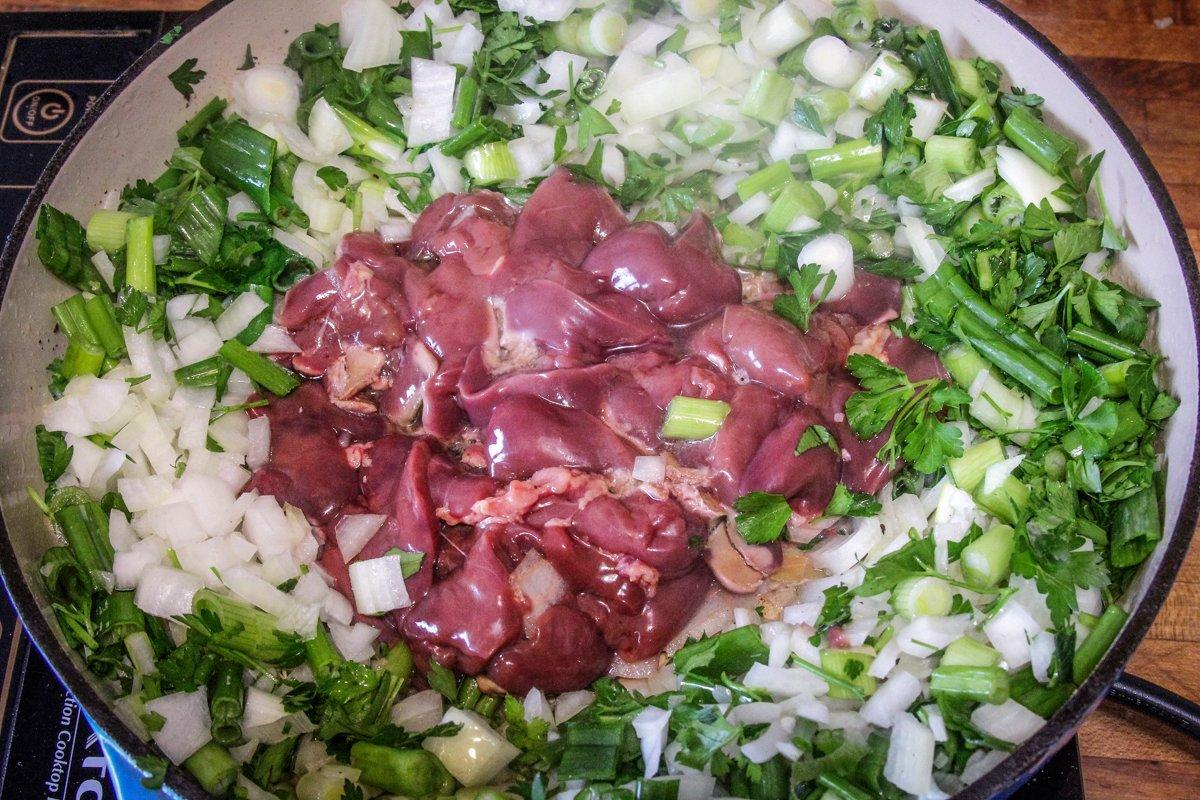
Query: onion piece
[
  {"x": 378, "y": 585},
  {"x": 186, "y": 723},
  {"x": 650, "y": 725},
  {"x": 418, "y": 712},
  {"x": 909, "y": 764},
  {"x": 353, "y": 531}
]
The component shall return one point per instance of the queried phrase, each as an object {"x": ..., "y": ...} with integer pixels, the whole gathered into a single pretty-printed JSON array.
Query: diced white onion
[
  {"x": 650, "y": 725},
  {"x": 267, "y": 91},
  {"x": 476, "y": 754},
  {"x": 166, "y": 592},
  {"x": 262, "y": 708},
  {"x": 433, "y": 102},
  {"x": 662, "y": 92},
  {"x": 370, "y": 32},
  {"x": 239, "y": 314},
  {"x": 569, "y": 704},
  {"x": 355, "y": 642},
  {"x": 378, "y": 585},
  {"x": 1010, "y": 631},
  {"x": 929, "y": 114},
  {"x": 909, "y": 762},
  {"x": 541, "y": 10},
  {"x": 649, "y": 469},
  {"x": 927, "y": 250},
  {"x": 751, "y": 210},
  {"x": 1010, "y": 721},
  {"x": 891, "y": 699},
  {"x": 419, "y": 711},
  {"x": 783, "y": 682},
  {"x": 274, "y": 339},
  {"x": 353, "y": 531},
  {"x": 186, "y": 723},
  {"x": 967, "y": 189}
]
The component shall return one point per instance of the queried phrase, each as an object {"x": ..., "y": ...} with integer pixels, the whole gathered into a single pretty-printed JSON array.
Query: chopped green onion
[
  {"x": 977, "y": 684},
  {"x": 603, "y": 34},
  {"x": 491, "y": 163},
  {"x": 245, "y": 628},
  {"x": 106, "y": 230},
  {"x": 1008, "y": 501},
  {"x": 1136, "y": 528},
  {"x": 82, "y": 358},
  {"x": 1020, "y": 364},
  {"x": 242, "y": 157},
  {"x": 769, "y": 97},
  {"x": 380, "y": 145},
  {"x": 922, "y": 596},
  {"x": 214, "y": 769},
  {"x": 1115, "y": 375},
  {"x": 986, "y": 561},
  {"x": 102, "y": 320},
  {"x": 968, "y": 469},
  {"x": 465, "y": 104},
  {"x": 226, "y": 702},
  {"x": 693, "y": 418},
  {"x": 72, "y": 318},
  {"x": 208, "y": 114},
  {"x": 967, "y": 78},
  {"x": 321, "y": 654},
  {"x": 886, "y": 75},
  {"x": 841, "y": 788},
  {"x": 853, "y": 20},
  {"x": 412, "y": 773},
  {"x": 955, "y": 154},
  {"x": 796, "y": 199},
  {"x": 85, "y": 528},
  {"x": 857, "y": 158},
  {"x": 852, "y": 665},
  {"x": 968, "y": 652},
  {"x": 827, "y": 102},
  {"x": 1048, "y": 148},
  {"x": 1097, "y": 341},
  {"x": 742, "y": 237},
  {"x": 711, "y": 132},
  {"x": 769, "y": 180},
  {"x": 260, "y": 369},
  {"x": 139, "y": 255},
  {"x": 209, "y": 372},
  {"x": 1098, "y": 640}
]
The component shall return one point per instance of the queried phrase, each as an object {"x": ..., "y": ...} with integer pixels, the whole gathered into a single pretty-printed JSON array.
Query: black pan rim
[{"x": 1001, "y": 781}]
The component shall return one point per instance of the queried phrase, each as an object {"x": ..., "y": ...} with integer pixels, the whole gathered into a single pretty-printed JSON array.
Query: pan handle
[{"x": 1155, "y": 701}]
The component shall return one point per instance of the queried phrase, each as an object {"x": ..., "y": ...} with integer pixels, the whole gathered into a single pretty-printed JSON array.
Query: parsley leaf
[
  {"x": 54, "y": 454},
  {"x": 890, "y": 398},
  {"x": 185, "y": 77},
  {"x": 892, "y": 122},
  {"x": 806, "y": 115},
  {"x": 155, "y": 768},
  {"x": 334, "y": 178},
  {"x": 807, "y": 281},
  {"x": 835, "y": 610},
  {"x": 815, "y": 436},
  {"x": 846, "y": 503},
  {"x": 915, "y": 558},
  {"x": 730, "y": 653},
  {"x": 762, "y": 516}
]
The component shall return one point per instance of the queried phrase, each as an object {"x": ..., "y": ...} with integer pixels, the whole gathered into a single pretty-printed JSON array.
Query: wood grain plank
[
  {"x": 1120, "y": 38},
  {"x": 1115, "y": 731},
  {"x": 1180, "y": 615},
  {"x": 1136, "y": 779},
  {"x": 1113, "y": 10}
]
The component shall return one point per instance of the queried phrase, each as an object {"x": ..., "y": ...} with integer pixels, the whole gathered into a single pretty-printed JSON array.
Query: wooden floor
[{"x": 1145, "y": 56}]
